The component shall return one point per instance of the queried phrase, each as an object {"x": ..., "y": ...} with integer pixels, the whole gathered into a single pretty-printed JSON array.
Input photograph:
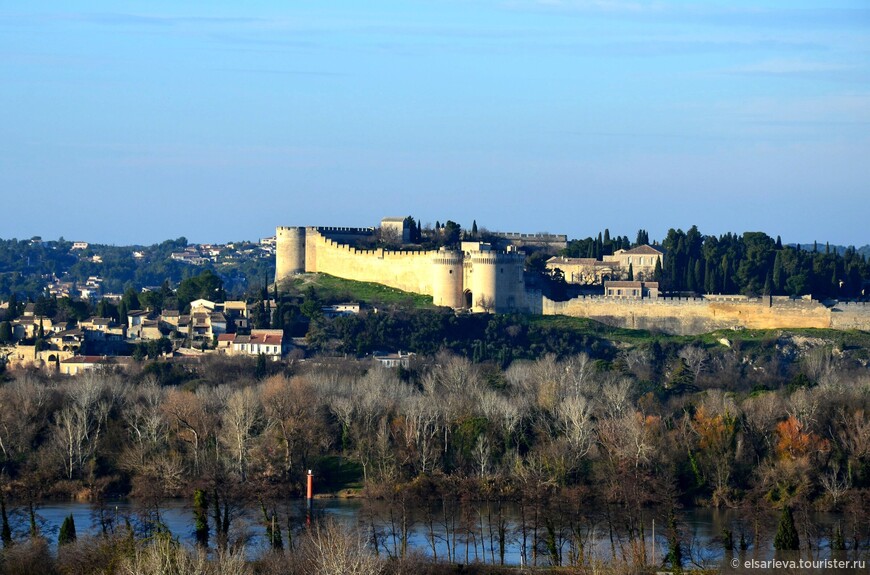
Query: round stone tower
[
  {"x": 289, "y": 252},
  {"x": 447, "y": 279},
  {"x": 484, "y": 281}
]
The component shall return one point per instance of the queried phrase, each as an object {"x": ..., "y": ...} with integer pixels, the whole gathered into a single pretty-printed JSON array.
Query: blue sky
[{"x": 133, "y": 122}]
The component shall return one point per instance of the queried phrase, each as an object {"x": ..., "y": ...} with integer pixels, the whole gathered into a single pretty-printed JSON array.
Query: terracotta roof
[
  {"x": 267, "y": 339},
  {"x": 643, "y": 250}
]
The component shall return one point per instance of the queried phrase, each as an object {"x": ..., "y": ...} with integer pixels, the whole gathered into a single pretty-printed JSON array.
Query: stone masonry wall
[
  {"x": 408, "y": 271},
  {"x": 692, "y": 316}
]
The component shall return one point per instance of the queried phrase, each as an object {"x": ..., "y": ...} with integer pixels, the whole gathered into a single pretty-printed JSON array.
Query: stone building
[
  {"x": 631, "y": 289},
  {"x": 590, "y": 271}
]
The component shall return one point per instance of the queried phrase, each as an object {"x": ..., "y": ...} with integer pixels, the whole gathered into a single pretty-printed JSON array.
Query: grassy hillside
[{"x": 333, "y": 289}]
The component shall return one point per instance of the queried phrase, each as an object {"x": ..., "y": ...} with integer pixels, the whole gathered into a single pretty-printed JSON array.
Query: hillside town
[{"x": 71, "y": 347}]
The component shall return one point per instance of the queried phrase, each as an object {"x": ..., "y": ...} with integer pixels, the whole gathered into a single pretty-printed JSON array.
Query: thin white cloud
[{"x": 790, "y": 67}]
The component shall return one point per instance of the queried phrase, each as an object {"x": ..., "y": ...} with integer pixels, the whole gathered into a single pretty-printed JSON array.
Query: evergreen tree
[
  {"x": 709, "y": 278},
  {"x": 838, "y": 542},
  {"x": 200, "y": 517},
  {"x": 122, "y": 312},
  {"x": 12, "y": 312},
  {"x": 786, "y": 538},
  {"x": 67, "y": 531},
  {"x": 260, "y": 371},
  {"x": 657, "y": 273},
  {"x": 642, "y": 238},
  {"x": 778, "y": 243},
  {"x": 630, "y": 272},
  {"x": 778, "y": 274},
  {"x": 474, "y": 229},
  {"x": 5, "y": 332},
  {"x": 699, "y": 275}
]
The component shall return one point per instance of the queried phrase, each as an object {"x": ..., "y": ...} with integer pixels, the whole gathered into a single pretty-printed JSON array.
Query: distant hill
[{"x": 862, "y": 251}]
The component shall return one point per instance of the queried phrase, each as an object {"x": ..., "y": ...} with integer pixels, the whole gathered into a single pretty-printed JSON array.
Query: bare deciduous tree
[{"x": 240, "y": 419}]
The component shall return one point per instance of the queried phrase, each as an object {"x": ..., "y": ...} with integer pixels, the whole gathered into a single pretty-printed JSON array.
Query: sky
[{"x": 133, "y": 122}]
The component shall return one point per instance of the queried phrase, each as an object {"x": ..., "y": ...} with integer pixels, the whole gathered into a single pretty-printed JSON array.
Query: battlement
[
  {"x": 537, "y": 237},
  {"x": 340, "y": 230}
]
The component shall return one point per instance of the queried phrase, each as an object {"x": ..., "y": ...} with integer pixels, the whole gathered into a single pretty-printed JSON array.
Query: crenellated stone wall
[
  {"x": 692, "y": 316},
  {"x": 493, "y": 280},
  {"x": 406, "y": 270}
]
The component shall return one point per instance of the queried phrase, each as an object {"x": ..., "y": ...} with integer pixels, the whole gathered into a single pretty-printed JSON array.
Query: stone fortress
[
  {"x": 484, "y": 277},
  {"x": 479, "y": 277}
]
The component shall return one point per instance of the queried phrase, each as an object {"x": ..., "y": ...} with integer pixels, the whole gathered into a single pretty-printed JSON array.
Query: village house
[
  {"x": 640, "y": 261},
  {"x": 270, "y": 342}
]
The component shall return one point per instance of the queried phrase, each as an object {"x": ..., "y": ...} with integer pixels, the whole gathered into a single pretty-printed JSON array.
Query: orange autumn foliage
[{"x": 794, "y": 443}]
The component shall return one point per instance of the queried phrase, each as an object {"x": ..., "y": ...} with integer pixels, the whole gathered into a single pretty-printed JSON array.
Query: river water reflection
[{"x": 462, "y": 533}]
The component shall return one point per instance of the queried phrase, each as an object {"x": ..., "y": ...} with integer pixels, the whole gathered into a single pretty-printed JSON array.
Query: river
[{"x": 476, "y": 532}]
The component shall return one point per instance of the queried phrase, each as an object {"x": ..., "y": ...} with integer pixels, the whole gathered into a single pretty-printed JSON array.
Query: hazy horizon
[{"x": 131, "y": 122}]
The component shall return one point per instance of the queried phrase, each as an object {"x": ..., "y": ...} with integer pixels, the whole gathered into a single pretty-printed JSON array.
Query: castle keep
[{"x": 478, "y": 277}]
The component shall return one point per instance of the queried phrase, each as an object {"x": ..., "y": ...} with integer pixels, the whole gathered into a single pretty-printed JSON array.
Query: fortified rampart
[
  {"x": 487, "y": 280},
  {"x": 553, "y": 242},
  {"x": 484, "y": 279},
  {"x": 850, "y": 315},
  {"x": 692, "y": 316}
]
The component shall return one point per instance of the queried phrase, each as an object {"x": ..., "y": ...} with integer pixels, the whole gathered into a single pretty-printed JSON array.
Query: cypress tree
[
  {"x": 657, "y": 273},
  {"x": 200, "y": 517},
  {"x": 67, "y": 531},
  {"x": 778, "y": 243},
  {"x": 778, "y": 275},
  {"x": 260, "y": 371},
  {"x": 630, "y": 272},
  {"x": 786, "y": 534},
  {"x": 12, "y": 312},
  {"x": 474, "y": 229},
  {"x": 675, "y": 547}
]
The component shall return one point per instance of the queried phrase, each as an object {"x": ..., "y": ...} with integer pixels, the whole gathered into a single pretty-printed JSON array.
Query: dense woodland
[{"x": 783, "y": 422}]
